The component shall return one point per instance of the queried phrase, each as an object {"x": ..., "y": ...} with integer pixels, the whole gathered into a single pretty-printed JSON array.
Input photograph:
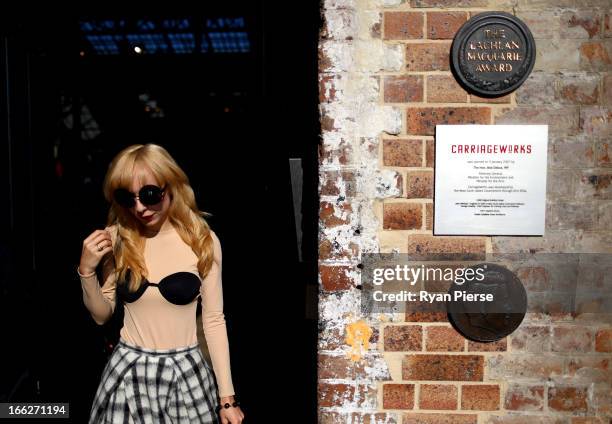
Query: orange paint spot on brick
[{"x": 358, "y": 336}]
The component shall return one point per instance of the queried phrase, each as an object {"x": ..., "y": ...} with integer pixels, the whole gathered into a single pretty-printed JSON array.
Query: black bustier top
[{"x": 179, "y": 288}]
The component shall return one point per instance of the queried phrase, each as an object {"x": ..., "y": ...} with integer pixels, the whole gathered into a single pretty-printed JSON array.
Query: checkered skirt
[{"x": 141, "y": 385}]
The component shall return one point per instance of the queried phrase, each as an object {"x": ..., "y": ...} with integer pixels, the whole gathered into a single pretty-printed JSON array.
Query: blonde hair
[{"x": 184, "y": 215}]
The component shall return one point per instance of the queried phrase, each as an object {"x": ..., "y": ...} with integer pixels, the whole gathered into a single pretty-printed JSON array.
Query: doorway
[{"x": 233, "y": 114}]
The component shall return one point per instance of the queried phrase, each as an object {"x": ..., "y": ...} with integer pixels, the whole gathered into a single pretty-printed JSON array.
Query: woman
[{"x": 158, "y": 255}]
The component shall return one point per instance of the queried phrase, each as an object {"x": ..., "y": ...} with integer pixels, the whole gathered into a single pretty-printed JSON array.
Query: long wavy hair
[{"x": 189, "y": 222}]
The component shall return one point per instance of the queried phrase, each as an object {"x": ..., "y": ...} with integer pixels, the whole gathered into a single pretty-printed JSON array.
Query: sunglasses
[{"x": 148, "y": 195}]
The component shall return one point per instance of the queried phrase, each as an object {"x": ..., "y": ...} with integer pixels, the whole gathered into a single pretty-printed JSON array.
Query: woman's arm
[
  {"x": 100, "y": 301},
  {"x": 213, "y": 322}
]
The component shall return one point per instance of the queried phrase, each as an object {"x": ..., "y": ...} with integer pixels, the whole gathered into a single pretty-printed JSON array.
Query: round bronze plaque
[
  {"x": 492, "y": 54},
  {"x": 483, "y": 320}
]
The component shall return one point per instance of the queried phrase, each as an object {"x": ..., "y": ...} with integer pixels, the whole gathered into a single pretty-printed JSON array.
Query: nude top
[{"x": 162, "y": 314}]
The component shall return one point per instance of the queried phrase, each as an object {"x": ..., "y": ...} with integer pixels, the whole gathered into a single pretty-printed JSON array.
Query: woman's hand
[
  {"x": 91, "y": 254},
  {"x": 231, "y": 415}
]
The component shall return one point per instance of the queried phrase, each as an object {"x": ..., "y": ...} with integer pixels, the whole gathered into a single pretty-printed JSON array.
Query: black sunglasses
[{"x": 148, "y": 195}]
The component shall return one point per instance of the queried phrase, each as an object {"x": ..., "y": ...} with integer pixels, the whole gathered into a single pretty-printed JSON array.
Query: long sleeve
[
  {"x": 213, "y": 322},
  {"x": 100, "y": 300}
]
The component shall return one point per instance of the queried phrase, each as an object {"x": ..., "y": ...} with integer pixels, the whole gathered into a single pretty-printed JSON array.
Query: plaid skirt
[{"x": 141, "y": 385}]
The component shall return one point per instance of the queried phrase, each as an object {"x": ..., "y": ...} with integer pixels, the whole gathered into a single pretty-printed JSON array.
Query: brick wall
[{"x": 384, "y": 85}]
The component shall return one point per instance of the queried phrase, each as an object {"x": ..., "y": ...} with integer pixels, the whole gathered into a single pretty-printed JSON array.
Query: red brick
[
  {"x": 327, "y": 88},
  {"x": 524, "y": 366},
  {"x": 341, "y": 154},
  {"x": 438, "y": 283},
  {"x": 531, "y": 339},
  {"x": 444, "y": 89},
  {"x": 371, "y": 418},
  {"x": 327, "y": 122},
  {"x": 398, "y": 396},
  {"x": 365, "y": 395},
  {"x": 607, "y": 89},
  {"x": 332, "y": 366},
  {"x": 333, "y": 417},
  {"x": 331, "y": 339},
  {"x": 438, "y": 396},
  {"x": 330, "y": 417},
  {"x": 399, "y": 338},
  {"x": 443, "y": 339},
  {"x": 423, "y": 120},
  {"x": 442, "y": 25},
  {"x": 525, "y": 419},
  {"x": 429, "y": 216},
  {"x": 494, "y": 100},
  {"x": 573, "y": 399},
  {"x": 472, "y": 247},
  {"x": 403, "y": 152},
  {"x": 424, "y": 312},
  {"x": 595, "y": 56},
  {"x": 534, "y": 278},
  {"x": 565, "y": 215},
  {"x": 579, "y": 89},
  {"x": 603, "y": 158},
  {"x": 597, "y": 184},
  {"x": 443, "y": 367},
  {"x": 335, "y": 278},
  {"x": 496, "y": 346},
  {"x": 403, "y": 25},
  {"x": 539, "y": 89},
  {"x": 572, "y": 153},
  {"x": 583, "y": 24},
  {"x": 335, "y": 394},
  {"x": 428, "y": 57},
  {"x": 589, "y": 420},
  {"x": 596, "y": 121},
  {"x": 601, "y": 400},
  {"x": 542, "y": 24},
  {"x": 448, "y": 3},
  {"x": 572, "y": 339},
  {"x": 338, "y": 182},
  {"x": 524, "y": 398},
  {"x": 419, "y": 184},
  {"x": 594, "y": 369},
  {"x": 403, "y": 88},
  {"x": 560, "y": 120},
  {"x": 332, "y": 215},
  {"x": 402, "y": 216},
  {"x": 325, "y": 62},
  {"x": 481, "y": 397},
  {"x": 414, "y": 418},
  {"x": 603, "y": 341},
  {"x": 429, "y": 153},
  {"x": 328, "y": 250}
]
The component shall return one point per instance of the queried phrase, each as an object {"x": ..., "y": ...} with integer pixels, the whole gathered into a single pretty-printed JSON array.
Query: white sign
[{"x": 490, "y": 179}]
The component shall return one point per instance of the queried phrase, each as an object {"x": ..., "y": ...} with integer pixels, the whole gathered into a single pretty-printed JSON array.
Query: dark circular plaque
[
  {"x": 488, "y": 321},
  {"x": 492, "y": 54}
]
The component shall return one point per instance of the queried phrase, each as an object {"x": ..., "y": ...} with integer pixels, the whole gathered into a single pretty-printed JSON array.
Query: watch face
[{"x": 483, "y": 320}]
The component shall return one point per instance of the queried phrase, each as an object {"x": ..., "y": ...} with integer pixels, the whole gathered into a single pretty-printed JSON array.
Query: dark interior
[{"x": 231, "y": 119}]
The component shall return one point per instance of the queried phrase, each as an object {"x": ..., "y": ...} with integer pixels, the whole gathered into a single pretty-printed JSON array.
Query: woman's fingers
[
  {"x": 95, "y": 247},
  {"x": 106, "y": 249},
  {"x": 233, "y": 416},
  {"x": 93, "y": 235},
  {"x": 102, "y": 239}
]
